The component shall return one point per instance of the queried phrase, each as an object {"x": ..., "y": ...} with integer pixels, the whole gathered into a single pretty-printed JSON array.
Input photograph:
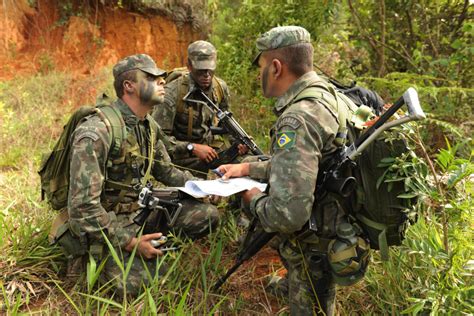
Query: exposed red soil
[{"x": 38, "y": 39}]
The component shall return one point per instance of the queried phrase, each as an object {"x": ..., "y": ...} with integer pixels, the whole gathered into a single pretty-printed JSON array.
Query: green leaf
[
  {"x": 104, "y": 300},
  {"x": 151, "y": 303},
  {"x": 415, "y": 308},
  {"x": 457, "y": 44},
  {"x": 407, "y": 195}
]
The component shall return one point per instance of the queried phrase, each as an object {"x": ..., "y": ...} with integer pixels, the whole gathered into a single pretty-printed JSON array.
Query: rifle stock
[{"x": 330, "y": 177}]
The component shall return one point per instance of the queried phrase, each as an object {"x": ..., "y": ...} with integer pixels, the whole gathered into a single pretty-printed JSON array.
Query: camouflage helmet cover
[
  {"x": 203, "y": 55},
  {"x": 279, "y": 37},
  {"x": 138, "y": 61}
]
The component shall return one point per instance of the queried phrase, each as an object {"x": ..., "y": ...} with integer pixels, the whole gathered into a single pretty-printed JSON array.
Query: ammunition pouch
[{"x": 72, "y": 245}]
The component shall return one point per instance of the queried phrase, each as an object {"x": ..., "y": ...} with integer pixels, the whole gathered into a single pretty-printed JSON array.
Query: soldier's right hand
[
  {"x": 144, "y": 247},
  {"x": 204, "y": 153}
]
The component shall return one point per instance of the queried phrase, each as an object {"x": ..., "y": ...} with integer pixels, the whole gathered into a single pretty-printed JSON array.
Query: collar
[
  {"x": 296, "y": 88},
  {"x": 128, "y": 116}
]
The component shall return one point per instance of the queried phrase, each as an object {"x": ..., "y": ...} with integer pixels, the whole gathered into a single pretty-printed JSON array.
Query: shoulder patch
[
  {"x": 285, "y": 140},
  {"x": 88, "y": 134},
  {"x": 290, "y": 121}
]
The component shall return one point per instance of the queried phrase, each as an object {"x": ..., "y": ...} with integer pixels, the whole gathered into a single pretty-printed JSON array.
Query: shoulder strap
[
  {"x": 182, "y": 89},
  {"x": 151, "y": 149},
  {"x": 340, "y": 113},
  {"x": 218, "y": 90},
  {"x": 114, "y": 121},
  {"x": 183, "y": 86}
]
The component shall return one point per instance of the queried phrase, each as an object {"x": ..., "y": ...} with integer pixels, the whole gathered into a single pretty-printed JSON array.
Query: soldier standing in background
[{"x": 189, "y": 123}]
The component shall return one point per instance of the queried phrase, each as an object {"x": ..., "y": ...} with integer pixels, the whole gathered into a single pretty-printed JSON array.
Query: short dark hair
[
  {"x": 298, "y": 57},
  {"x": 130, "y": 75}
]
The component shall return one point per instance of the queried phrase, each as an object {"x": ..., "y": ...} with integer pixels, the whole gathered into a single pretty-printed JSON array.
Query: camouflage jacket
[
  {"x": 175, "y": 123},
  {"x": 92, "y": 201},
  {"x": 301, "y": 139}
]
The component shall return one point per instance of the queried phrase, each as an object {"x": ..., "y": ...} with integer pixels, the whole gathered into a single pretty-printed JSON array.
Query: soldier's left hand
[
  {"x": 249, "y": 194},
  {"x": 243, "y": 149},
  {"x": 215, "y": 199}
]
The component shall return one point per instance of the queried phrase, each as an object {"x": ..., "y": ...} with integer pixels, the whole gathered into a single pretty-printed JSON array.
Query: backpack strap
[
  {"x": 113, "y": 119},
  {"x": 151, "y": 148},
  {"x": 183, "y": 87},
  {"x": 382, "y": 237},
  {"x": 217, "y": 90},
  {"x": 319, "y": 90}
]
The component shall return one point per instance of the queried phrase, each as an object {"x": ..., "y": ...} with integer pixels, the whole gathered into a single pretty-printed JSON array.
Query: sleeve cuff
[
  {"x": 180, "y": 147},
  {"x": 258, "y": 170},
  {"x": 253, "y": 203}
]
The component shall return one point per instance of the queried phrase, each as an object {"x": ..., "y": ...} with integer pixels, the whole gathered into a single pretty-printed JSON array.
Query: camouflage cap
[
  {"x": 202, "y": 55},
  {"x": 138, "y": 61},
  {"x": 281, "y": 36}
]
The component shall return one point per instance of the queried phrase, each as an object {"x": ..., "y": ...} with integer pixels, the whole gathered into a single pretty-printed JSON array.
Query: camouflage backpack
[
  {"x": 381, "y": 209},
  {"x": 54, "y": 170}
]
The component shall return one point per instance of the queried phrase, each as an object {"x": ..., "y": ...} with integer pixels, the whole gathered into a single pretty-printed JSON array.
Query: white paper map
[{"x": 202, "y": 188}]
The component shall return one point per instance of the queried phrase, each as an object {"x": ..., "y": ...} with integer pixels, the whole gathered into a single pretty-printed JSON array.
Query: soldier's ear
[
  {"x": 276, "y": 71},
  {"x": 128, "y": 87}
]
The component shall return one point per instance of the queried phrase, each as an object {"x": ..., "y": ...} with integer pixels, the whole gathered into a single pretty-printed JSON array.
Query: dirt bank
[{"x": 44, "y": 38}]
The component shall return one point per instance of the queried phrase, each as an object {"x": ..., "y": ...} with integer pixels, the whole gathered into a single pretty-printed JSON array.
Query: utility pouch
[
  {"x": 59, "y": 227},
  {"x": 72, "y": 246}
]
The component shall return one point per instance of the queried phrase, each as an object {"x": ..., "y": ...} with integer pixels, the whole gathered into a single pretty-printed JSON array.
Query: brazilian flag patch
[{"x": 285, "y": 139}]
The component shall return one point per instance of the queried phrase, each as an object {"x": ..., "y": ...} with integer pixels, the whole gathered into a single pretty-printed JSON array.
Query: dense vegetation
[{"x": 385, "y": 45}]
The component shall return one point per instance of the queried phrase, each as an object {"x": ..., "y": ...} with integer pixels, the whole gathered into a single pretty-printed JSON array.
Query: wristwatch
[{"x": 190, "y": 148}]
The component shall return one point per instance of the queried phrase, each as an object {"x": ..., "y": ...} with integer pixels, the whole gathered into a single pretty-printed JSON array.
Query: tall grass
[
  {"x": 423, "y": 276},
  {"x": 32, "y": 113}
]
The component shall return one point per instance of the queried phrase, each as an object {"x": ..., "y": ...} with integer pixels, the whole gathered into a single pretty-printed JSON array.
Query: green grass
[{"x": 422, "y": 277}]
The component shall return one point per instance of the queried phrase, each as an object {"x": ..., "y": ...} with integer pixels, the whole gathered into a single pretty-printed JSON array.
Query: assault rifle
[
  {"x": 330, "y": 178},
  {"x": 166, "y": 200},
  {"x": 228, "y": 123}
]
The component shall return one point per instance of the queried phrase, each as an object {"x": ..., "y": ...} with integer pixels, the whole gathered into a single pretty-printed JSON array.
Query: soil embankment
[{"x": 50, "y": 37}]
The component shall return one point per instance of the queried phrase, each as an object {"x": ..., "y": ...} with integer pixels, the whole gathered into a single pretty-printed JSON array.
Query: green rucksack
[
  {"x": 381, "y": 209},
  {"x": 383, "y": 204},
  {"x": 54, "y": 170}
]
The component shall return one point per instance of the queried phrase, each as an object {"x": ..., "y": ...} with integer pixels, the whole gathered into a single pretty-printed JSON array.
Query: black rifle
[
  {"x": 330, "y": 178},
  {"x": 228, "y": 123},
  {"x": 166, "y": 200}
]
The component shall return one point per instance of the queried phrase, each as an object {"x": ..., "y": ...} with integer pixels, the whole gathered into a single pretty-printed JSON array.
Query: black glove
[{"x": 367, "y": 97}]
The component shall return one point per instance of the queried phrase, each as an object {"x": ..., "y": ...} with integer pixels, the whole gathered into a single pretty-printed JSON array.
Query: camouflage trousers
[
  {"x": 312, "y": 289},
  {"x": 195, "y": 220}
]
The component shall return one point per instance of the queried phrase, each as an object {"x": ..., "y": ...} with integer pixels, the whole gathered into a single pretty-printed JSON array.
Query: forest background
[{"x": 384, "y": 45}]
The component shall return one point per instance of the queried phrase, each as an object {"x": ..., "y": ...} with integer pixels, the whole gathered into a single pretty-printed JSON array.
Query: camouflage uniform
[
  {"x": 301, "y": 140},
  {"x": 173, "y": 116},
  {"x": 101, "y": 198}
]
